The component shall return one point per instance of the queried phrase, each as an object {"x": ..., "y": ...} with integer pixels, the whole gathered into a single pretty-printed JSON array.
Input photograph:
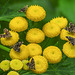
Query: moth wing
[
  {"x": 2, "y": 35},
  {"x": 73, "y": 30},
  {"x": 32, "y": 61},
  {"x": 6, "y": 30}
]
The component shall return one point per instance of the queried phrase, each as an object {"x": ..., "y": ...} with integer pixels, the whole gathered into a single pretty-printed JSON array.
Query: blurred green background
[{"x": 54, "y": 8}]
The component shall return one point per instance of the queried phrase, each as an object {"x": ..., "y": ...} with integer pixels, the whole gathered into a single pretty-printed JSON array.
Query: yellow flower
[
  {"x": 16, "y": 64},
  {"x": 35, "y": 35},
  {"x": 25, "y": 67},
  {"x": 12, "y": 40},
  {"x": 35, "y": 13},
  {"x": 60, "y": 21},
  {"x": 5, "y": 65},
  {"x": 23, "y": 54},
  {"x": 41, "y": 64},
  {"x": 53, "y": 54},
  {"x": 69, "y": 50},
  {"x": 51, "y": 30},
  {"x": 13, "y": 73},
  {"x": 18, "y": 24},
  {"x": 34, "y": 49},
  {"x": 65, "y": 33}
]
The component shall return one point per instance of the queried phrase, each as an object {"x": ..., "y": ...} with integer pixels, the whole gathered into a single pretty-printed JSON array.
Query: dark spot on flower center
[
  {"x": 33, "y": 49},
  {"x": 17, "y": 22},
  {"x": 52, "y": 52},
  {"x": 38, "y": 62},
  {"x": 5, "y": 64},
  {"x": 51, "y": 27},
  {"x": 35, "y": 10}
]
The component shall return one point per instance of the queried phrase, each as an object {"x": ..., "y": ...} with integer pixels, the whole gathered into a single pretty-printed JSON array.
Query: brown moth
[
  {"x": 24, "y": 9},
  {"x": 71, "y": 28},
  {"x": 31, "y": 65},
  {"x": 16, "y": 47},
  {"x": 6, "y": 35},
  {"x": 71, "y": 39}
]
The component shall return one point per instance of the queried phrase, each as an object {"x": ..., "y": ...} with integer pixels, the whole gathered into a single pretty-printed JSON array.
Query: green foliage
[
  {"x": 67, "y": 7},
  {"x": 9, "y": 9}
]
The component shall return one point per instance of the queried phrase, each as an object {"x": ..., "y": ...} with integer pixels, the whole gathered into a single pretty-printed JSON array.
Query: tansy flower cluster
[
  {"x": 41, "y": 65},
  {"x": 19, "y": 53}
]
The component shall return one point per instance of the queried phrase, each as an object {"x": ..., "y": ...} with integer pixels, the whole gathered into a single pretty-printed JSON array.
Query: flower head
[
  {"x": 12, "y": 40},
  {"x": 18, "y": 24},
  {"x": 65, "y": 33},
  {"x": 69, "y": 50},
  {"x": 51, "y": 30},
  {"x": 35, "y": 13},
  {"x": 60, "y": 21},
  {"x": 53, "y": 54},
  {"x": 35, "y": 35}
]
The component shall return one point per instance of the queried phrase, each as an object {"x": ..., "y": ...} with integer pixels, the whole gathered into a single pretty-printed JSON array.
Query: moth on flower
[
  {"x": 6, "y": 35},
  {"x": 16, "y": 47},
  {"x": 24, "y": 9},
  {"x": 71, "y": 39},
  {"x": 71, "y": 28},
  {"x": 31, "y": 64}
]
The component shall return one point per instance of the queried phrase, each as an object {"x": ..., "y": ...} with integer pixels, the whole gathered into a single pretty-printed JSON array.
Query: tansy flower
[
  {"x": 65, "y": 33},
  {"x": 16, "y": 64},
  {"x": 23, "y": 54},
  {"x": 35, "y": 35},
  {"x": 69, "y": 50},
  {"x": 5, "y": 65},
  {"x": 34, "y": 49},
  {"x": 35, "y": 13},
  {"x": 51, "y": 30},
  {"x": 25, "y": 67},
  {"x": 41, "y": 64},
  {"x": 11, "y": 40},
  {"x": 60, "y": 21},
  {"x": 13, "y": 73},
  {"x": 18, "y": 24},
  {"x": 53, "y": 54}
]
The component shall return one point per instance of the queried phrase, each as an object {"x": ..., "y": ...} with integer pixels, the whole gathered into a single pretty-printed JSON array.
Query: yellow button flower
[
  {"x": 51, "y": 30},
  {"x": 34, "y": 49},
  {"x": 41, "y": 64},
  {"x": 23, "y": 54},
  {"x": 60, "y": 21},
  {"x": 16, "y": 64},
  {"x": 18, "y": 24},
  {"x": 25, "y": 67},
  {"x": 53, "y": 54},
  {"x": 5, "y": 65},
  {"x": 35, "y": 35},
  {"x": 65, "y": 33},
  {"x": 69, "y": 50},
  {"x": 35, "y": 13},
  {"x": 12, "y": 40},
  {"x": 13, "y": 73}
]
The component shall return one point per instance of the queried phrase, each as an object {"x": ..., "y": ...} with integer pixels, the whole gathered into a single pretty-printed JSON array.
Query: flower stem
[{"x": 4, "y": 48}]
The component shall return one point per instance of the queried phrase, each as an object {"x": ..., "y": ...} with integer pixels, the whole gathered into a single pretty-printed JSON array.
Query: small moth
[
  {"x": 6, "y": 35},
  {"x": 24, "y": 9},
  {"x": 71, "y": 28},
  {"x": 31, "y": 65},
  {"x": 16, "y": 47},
  {"x": 71, "y": 39}
]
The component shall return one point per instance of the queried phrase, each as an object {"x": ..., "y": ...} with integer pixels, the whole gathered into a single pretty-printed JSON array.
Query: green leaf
[
  {"x": 0, "y": 26},
  {"x": 67, "y": 7}
]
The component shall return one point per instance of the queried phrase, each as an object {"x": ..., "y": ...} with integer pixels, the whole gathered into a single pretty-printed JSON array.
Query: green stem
[{"x": 4, "y": 48}]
